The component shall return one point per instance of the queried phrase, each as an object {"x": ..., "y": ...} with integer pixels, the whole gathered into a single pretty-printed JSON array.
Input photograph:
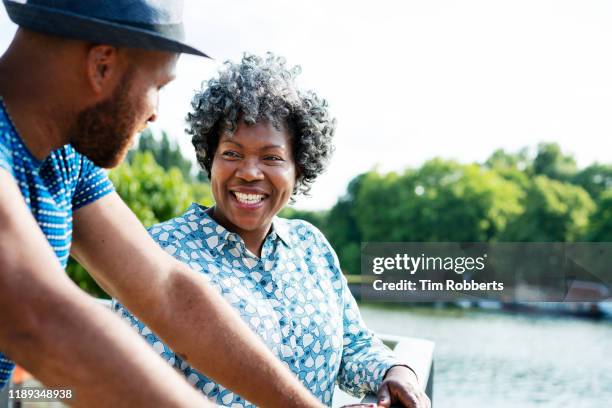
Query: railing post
[
  {"x": 430, "y": 384},
  {"x": 4, "y": 402}
]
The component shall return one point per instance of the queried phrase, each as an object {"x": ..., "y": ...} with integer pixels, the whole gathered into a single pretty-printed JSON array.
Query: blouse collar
[{"x": 279, "y": 229}]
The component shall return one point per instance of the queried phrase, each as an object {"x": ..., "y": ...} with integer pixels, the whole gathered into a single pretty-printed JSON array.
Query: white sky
[{"x": 411, "y": 80}]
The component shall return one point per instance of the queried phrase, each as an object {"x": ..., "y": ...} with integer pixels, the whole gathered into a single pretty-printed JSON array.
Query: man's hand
[{"x": 401, "y": 388}]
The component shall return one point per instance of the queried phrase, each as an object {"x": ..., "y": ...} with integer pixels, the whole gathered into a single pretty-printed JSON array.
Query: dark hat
[{"x": 148, "y": 24}]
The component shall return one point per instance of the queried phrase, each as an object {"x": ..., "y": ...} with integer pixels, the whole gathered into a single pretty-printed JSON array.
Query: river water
[{"x": 487, "y": 359}]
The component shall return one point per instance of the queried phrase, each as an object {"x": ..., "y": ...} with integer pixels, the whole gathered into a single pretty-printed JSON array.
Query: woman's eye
[
  {"x": 274, "y": 158},
  {"x": 230, "y": 154}
]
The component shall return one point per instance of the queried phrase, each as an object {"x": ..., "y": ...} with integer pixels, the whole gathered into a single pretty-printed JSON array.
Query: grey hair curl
[{"x": 259, "y": 90}]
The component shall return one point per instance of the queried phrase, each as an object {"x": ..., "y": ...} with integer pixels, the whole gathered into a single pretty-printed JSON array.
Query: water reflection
[{"x": 492, "y": 359}]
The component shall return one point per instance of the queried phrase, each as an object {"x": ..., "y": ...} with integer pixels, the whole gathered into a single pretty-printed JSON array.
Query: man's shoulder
[
  {"x": 67, "y": 171},
  {"x": 63, "y": 166},
  {"x": 67, "y": 158},
  {"x": 72, "y": 166}
]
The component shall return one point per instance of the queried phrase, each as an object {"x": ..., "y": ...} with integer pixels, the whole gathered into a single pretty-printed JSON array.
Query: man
[{"x": 78, "y": 82}]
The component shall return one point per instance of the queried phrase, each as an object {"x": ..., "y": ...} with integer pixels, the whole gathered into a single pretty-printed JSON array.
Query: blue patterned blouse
[{"x": 294, "y": 297}]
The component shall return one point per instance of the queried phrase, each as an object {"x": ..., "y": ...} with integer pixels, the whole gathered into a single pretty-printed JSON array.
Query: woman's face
[{"x": 252, "y": 177}]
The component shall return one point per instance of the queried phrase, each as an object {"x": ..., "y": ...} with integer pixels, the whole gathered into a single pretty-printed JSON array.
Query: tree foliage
[
  {"x": 510, "y": 197},
  {"x": 596, "y": 179},
  {"x": 166, "y": 153},
  {"x": 552, "y": 163},
  {"x": 601, "y": 220},
  {"x": 153, "y": 194},
  {"x": 554, "y": 212},
  {"x": 441, "y": 201}
]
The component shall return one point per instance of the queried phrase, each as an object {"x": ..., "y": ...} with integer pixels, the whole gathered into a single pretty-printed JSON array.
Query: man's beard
[{"x": 103, "y": 132}]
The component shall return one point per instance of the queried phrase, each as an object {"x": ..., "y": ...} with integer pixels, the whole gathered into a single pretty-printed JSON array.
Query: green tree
[
  {"x": 152, "y": 192},
  {"x": 595, "y": 179},
  {"x": 167, "y": 154},
  {"x": 441, "y": 201},
  {"x": 342, "y": 230},
  {"x": 554, "y": 212},
  {"x": 500, "y": 159},
  {"x": 601, "y": 220},
  {"x": 552, "y": 163},
  {"x": 511, "y": 166},
  {"x": 316, "y": 218}
]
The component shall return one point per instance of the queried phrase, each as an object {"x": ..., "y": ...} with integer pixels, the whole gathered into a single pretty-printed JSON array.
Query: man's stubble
[{"x": 104, "y": 132}]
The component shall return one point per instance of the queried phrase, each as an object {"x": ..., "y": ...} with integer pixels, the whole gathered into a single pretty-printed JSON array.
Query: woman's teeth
[{"x": 248, "y": 198}]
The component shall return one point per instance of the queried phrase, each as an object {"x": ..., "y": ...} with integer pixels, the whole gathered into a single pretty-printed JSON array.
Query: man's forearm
[
  {"x": 55, "y": 331},
  {"x": 202, "y": 328},
  {"x": 69, "y": 342}
]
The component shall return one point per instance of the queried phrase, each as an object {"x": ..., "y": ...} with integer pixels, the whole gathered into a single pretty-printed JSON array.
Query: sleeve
[
  {"x": 92, "y": 184},
  {"x": 5, "y": 158},
  {"x": 4, "y": 164},
  {"x": 365, "y": 359},
  {"x": 6, "y": 370},
  {"x": 6, "y": 365}
]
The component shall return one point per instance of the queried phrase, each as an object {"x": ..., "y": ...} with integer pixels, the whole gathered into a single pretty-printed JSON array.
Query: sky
[{"x": 416, "y": 79}]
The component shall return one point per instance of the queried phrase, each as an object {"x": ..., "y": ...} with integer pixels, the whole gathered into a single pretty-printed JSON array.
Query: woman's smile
[{"x": 248, "y": 200}]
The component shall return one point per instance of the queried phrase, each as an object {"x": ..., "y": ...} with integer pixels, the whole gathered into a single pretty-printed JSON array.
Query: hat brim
[{"x": 75, "y": 26}]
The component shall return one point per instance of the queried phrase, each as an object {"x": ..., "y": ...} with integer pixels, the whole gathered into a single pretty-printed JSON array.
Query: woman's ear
[{"x": 102, "y": 68}]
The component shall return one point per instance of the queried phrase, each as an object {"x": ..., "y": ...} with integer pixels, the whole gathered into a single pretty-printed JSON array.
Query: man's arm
[
  {"x": 179, "y": 306},
  {"x": 60, "y": 335}
]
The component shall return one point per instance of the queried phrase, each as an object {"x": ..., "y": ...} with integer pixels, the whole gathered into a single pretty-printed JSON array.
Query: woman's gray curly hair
[{"x": 259, "y": 90}]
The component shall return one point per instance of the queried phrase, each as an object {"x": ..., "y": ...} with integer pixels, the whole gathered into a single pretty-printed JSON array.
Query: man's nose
[{"x": 153, "y": 116}]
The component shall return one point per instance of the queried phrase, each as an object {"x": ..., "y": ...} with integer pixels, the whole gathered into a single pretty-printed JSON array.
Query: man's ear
[{"x": 103, "y": 67}]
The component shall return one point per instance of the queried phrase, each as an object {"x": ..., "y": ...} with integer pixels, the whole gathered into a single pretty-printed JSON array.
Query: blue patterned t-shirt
[
  {"x": 52, "y": 190},
  {"x": 294, "y": 297}
]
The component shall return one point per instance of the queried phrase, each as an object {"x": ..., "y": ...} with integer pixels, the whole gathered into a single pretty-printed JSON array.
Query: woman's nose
[{"x": 249, "y": 170}]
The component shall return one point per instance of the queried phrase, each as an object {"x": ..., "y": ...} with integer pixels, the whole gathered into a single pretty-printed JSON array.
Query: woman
[{"x": 261, "y": 140}]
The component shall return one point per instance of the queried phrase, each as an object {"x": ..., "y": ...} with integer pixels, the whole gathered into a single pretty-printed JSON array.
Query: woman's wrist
[{"x": 402, "y": 369}]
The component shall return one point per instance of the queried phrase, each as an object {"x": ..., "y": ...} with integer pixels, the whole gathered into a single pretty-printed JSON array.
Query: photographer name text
[{"x": 428, "y": 285}]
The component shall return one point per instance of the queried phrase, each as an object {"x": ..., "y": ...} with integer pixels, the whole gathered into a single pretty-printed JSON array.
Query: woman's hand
[{"x": 400, "y": 387}]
